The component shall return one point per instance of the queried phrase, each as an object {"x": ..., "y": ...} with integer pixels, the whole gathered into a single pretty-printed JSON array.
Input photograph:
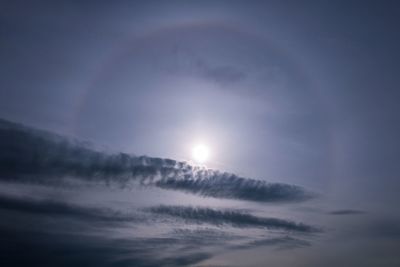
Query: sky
[{"x": 103, "y": 102}]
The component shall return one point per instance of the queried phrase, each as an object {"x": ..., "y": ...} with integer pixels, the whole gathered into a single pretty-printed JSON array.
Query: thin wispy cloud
[
  {"x": 285, "y": 242},
  {"x": 346, "y": 212},
  {"x": 229, "y": 217}
]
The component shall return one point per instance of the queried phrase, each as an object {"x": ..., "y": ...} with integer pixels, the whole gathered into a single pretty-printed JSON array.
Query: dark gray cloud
[
  {"x": 42, "y": 248},
  {"x": 56, "y": 209},
  {"x": 50, "y": 233},
  {"x": 223, "y": 185},
  {"x": 29, "y": 155},
  {"x": 229, "y": 217},
  {"x": 346, "y": 212}
]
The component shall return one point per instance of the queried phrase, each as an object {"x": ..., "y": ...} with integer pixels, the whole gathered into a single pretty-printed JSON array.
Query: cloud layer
[
  {"x": 50, "y": 230},
  {"x": 29, "y": 155},
  {"x": 53, "y": 233}
]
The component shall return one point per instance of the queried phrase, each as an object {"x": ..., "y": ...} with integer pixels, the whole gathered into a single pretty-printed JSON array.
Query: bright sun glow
[{"x": 200, "y": 153}]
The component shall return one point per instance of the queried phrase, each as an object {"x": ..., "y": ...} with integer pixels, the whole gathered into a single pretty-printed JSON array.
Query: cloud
[
  {"x": 346, "y": 212},
  {"x": 42, "y": 248},
  {"x": 285, "y": 242},
  {"x": 34, "y": 156},
  {"x": 228, "y": 217},
  {"x": 221, "y": 74},
  {"x": 51, "y": 233},
  {"x": 56, "y": 209},
  {"x": 230, "y": 186}
]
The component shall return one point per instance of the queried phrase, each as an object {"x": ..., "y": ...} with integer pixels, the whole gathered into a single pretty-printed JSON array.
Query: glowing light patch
[{"x": 200, "y": 153}]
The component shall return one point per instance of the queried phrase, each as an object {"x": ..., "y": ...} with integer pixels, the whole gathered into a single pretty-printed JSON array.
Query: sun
[{"x": 200, "y": 153}]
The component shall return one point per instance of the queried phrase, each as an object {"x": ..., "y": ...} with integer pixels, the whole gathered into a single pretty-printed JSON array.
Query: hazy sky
[{"x": 286, "y": 93}]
